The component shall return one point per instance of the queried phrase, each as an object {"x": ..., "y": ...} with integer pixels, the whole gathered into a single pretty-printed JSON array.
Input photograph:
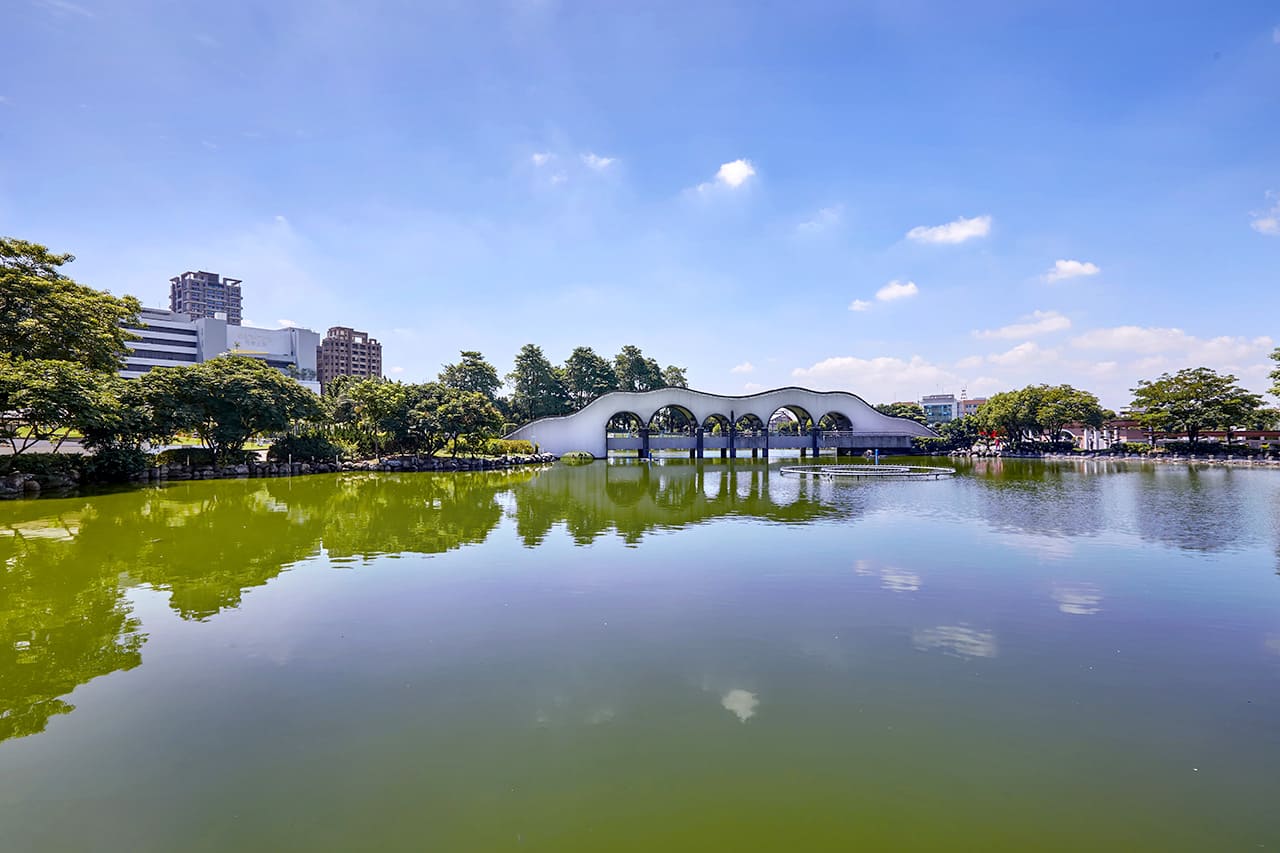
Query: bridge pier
[
  {"x": 733, "y": 433},
  {"x": 766, "y": 443},
  {"x": 698, "y": 449},
  {"x": 755, "y": 453},
  {"x": 643, "y": 452},
  {"x": 813, "y": 443}
]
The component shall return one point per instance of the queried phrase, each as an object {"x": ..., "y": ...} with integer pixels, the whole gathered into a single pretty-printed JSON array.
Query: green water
[{"x": 1029, "y": 656}]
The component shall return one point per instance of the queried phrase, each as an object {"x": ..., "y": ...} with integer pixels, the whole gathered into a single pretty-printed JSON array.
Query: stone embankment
[
  {"x": 1164, "y": 458},
  {"x": 30, "y": 485}
]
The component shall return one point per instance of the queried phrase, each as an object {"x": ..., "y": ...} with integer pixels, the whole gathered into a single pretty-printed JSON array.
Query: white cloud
[
  {"x": 752, "y": 387},
  {"x": 879, "y": 379},
  {"x": 969, "y": 362},
  {"x": 859, "y": 305},
  {"x": 1036, "y": 323},
  {"x": 1223, "y": 350},
  {"x": 742, "y": 703},
  {"x": 65, "y": 7},
  {"x": 395, "y": 370},
  {"x": 559, "y": 178},
  {"x": 1063, "y": 269},
  {"x": 897, "y": 290},
  {"x": 953, "y": 232},
  {"x": 540, "y": 158},
  {"x": 598, "y": 163},
  {"x": 1023, "y": 354},
  {"x": 827, "y": 217},
  {"x": 745, "y": 367},
  {"x": 731, "y": 175},
  {"x": 287, "y": 323},
  {"x": 1268, "y": 221}
]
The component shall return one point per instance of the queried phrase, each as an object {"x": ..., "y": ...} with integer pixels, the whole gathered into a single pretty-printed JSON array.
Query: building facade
[
  {"x": 206, "y": 294},
  {"x": 347, "y": 352},
  {"x": 939, "y": 408},
  {"x": 969, "y": 407},
  {"x": 168, "y": 338}
]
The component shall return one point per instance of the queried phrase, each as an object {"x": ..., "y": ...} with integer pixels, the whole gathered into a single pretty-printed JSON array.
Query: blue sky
[{"x": 896, "y": 198}]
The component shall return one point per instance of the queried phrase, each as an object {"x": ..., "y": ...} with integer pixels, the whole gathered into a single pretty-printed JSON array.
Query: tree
[
  {"x": 1191, "y": 401},
  {"x": 1275, "y": 374},
  {"x": 674, "y": 377},
  {"x": 226, "y": 401},
  {"x": 1059, "y": 405},
  {"x": 472, "y": 373},
  {"x": 469, "y": 416},
  {"x": 635, "y": 372},
  {"x": 44, "y": 400},
  {"x": 538, "y": 388},
  {"x": 44, "y": 315},
  {"x": 911, "y": 411},
  {"x": 587, "y": 376}
]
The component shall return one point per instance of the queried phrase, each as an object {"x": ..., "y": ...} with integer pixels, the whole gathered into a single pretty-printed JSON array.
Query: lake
[{"x": 668, "y": 657}]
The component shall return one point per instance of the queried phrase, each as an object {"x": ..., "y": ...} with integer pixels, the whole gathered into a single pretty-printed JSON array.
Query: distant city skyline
[{"x": 897, "y": 200}]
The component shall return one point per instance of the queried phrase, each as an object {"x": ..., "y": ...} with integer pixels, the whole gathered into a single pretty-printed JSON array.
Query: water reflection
[
  {"x": 66, "y": 565},
  {"x": 1078, "y": 599},
  {"x": 956, "y": 640},
  {"x": 741, "y": 703}
]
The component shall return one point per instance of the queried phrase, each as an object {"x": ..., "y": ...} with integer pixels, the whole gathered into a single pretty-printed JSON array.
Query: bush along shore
[{"x": 57, "y": 474}]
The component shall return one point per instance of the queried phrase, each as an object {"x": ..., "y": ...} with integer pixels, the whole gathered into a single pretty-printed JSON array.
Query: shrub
[
  {"x": 201, "y": 457},
  {"x": 508, "y": 447},
  {"x": 43, "y": 466},
  {"x": 115, "y": 464},
  {"x": 303, "y": 448},
  {"x": 577, "y": 457}
]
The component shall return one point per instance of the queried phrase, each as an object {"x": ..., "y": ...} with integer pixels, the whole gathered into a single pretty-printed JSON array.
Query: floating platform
[{"x": 870, "y": 472}]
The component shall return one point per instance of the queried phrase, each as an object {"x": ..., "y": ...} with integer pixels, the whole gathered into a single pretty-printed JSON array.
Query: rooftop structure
[{"x": 206, "y": 294}]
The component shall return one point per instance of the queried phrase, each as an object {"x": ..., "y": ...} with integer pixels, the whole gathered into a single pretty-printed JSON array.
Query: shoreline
[{"x": 20, "y": 485}]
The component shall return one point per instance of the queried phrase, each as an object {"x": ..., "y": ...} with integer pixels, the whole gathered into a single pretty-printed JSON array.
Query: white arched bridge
[{"x": 682, "y": 419}]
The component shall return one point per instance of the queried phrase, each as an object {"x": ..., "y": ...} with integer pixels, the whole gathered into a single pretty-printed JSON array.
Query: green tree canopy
[
  {"x": 44, "y": 400},
  {"x": 1275, "y": 374},
  {"x": 674, "y": 377},
  {"x": 45, "y": 315},
  {"x": 226, "y": 401},
  {"x": 472, "y": 373},
  {"x": 587, "y": 376},
  {"x": 912, "y": 411},
  {"x": 1191, "y": 401},
  {"x": 635, "y": 372},
  {"x": 538, "y": 388},
  {"x": 1038, "y": 412}
]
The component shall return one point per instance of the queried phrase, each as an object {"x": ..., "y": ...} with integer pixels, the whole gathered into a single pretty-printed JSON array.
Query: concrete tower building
[
  {"x": 205, "y": 294},
  {"x": 346, "y": 352}
]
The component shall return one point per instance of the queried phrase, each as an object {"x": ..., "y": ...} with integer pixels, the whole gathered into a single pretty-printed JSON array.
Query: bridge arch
[
  {"x": 673, "y": 420},
  {"x": 835, "y": 421},
  {"x": 798, "y": 415}
]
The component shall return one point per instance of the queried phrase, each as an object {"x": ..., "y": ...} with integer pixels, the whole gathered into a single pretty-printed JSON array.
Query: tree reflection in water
[{"x": 66, "y": 564}]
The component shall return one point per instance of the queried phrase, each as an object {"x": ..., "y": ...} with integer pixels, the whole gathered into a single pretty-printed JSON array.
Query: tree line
[
  {"x": 1187, "y": 403},
  {"x": 62, "y": 344}
]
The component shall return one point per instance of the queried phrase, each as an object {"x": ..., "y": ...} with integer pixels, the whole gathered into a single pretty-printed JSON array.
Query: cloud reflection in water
[{"x": 957, "y": 640}]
